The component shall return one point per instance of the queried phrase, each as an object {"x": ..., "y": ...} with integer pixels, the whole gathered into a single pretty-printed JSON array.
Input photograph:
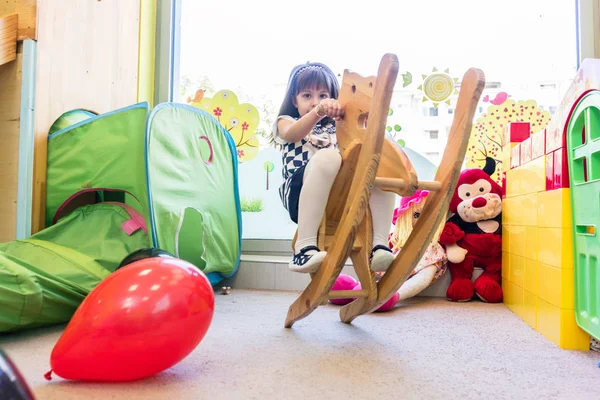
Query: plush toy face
[{"x": 477, "y": 196}]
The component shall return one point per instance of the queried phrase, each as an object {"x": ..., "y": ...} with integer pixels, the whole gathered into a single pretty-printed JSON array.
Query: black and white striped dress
[{"x": 295, "y": 156}]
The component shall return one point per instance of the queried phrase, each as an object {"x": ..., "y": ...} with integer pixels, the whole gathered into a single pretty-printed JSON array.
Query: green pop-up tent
[{"x": 118, "y": 182}]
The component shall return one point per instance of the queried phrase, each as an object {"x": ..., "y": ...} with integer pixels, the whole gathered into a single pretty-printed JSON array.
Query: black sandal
[
  {"x": 307, "y": 263},
  {"x": 302, "y": 258},
  {"x": 383, "y": 261},
  {"x": 379, "y": 247}
]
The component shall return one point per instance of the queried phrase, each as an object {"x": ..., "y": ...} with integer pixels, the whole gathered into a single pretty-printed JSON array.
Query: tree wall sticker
[
  {"x": 269, "y": 166},
  {"x": 486, "y": 135}
]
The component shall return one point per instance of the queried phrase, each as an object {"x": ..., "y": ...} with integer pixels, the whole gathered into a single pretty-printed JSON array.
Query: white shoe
[
  {"x": 308, "y": 260},
  {"x": 381, "y": 258}
]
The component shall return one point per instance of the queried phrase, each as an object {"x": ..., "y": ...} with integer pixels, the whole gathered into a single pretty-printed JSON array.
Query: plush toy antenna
[{"x": 490, "y": 166}]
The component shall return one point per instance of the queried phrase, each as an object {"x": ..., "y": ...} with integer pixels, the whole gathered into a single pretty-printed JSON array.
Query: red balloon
[{"x": 139, "y": 321}]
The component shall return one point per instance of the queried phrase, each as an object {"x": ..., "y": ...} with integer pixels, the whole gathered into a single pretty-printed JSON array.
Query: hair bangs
[{"x": 316, "y": 78}]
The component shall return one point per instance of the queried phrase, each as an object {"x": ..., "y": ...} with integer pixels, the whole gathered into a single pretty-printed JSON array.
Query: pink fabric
[
  {"x": 406, "y": 201},
  {"x": 130, "y": 226},
  {"x": 137, "y": 221},
  {"x": 74, "y": 195}
]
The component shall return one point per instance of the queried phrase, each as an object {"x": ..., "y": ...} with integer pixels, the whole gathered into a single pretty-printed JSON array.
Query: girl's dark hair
[
  {"x": 303, "y": 77},
  {"x": 308, "y": 76}
]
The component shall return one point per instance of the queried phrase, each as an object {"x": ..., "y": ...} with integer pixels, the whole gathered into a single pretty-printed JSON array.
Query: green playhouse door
[{"x": 583, "y": 141}]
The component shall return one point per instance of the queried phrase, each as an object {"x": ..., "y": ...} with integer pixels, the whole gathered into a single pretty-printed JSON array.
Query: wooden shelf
[
  {"x": 18, "y": 21},
  {"x": 8, "y": 38},
  {"x": 27, "y": 11}
]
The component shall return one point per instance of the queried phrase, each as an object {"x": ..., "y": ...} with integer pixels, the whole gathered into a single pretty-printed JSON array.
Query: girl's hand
[{"x": 329, "y": 108}]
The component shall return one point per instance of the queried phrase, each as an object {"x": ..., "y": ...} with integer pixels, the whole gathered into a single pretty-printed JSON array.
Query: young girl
[
  {"x": 433, "y": 264},
  {"x": 305, "y": 132}
]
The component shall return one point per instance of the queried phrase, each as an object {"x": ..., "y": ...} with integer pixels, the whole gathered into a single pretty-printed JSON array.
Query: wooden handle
[
  {"x": 390, "y": 183},
  {"x": 347, "y": 294},
  {"x": 433, "y": 186}
]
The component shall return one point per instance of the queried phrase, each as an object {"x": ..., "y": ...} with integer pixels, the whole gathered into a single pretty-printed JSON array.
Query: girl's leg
[
  {"x": 319, "y": 175},
  {"x": 382, "y": 210}
]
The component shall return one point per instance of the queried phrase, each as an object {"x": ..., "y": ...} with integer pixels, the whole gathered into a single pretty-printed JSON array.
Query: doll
[
  {"x": 433, "y": 264},
  {"x": 431, "y": 267}
]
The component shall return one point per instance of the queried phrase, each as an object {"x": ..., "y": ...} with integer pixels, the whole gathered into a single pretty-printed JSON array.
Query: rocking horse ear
[{"x": 490, "y": 166}]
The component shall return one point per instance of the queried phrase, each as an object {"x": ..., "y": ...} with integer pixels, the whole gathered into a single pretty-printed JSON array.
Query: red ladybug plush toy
[{"x": 472, "y": 236}]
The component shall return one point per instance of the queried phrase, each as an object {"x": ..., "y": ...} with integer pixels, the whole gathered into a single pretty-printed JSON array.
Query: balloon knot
[{"x": 48, "y": 375}]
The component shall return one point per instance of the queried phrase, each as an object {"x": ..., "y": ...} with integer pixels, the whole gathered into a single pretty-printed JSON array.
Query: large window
[{"x": 527, "y": 50}]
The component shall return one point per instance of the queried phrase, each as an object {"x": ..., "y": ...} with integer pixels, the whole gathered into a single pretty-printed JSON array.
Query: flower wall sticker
[{"x": 240, "y": 120}]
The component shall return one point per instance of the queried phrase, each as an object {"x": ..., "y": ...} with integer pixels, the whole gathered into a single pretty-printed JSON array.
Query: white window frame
[
  {"x": 167, "y": 76},
  {"x": 167, "y": 56},
  {"x": 166, "y": 89},
  {"x": 588, "y": 29}
]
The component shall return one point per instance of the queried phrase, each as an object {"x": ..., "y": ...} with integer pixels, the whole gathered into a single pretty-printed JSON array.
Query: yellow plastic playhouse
[{"x": 550, "y": 210}]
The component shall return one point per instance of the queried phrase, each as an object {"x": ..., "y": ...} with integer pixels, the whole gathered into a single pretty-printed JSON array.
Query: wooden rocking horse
[{"x": 369, "y": 158}]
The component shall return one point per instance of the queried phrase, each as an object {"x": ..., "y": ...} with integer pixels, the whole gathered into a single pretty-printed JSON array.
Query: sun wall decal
[{"x": 438, "y": 87}]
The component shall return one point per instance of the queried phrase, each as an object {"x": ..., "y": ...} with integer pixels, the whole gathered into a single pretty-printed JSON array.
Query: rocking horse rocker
[{"x": 369, "y": 158}]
